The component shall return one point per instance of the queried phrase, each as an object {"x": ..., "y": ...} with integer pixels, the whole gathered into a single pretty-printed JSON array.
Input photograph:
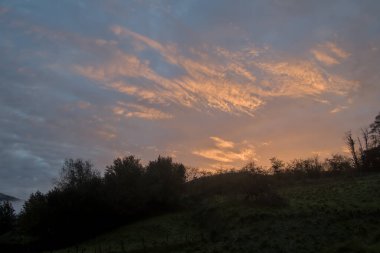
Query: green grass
[{"x": 327, "y": 215}]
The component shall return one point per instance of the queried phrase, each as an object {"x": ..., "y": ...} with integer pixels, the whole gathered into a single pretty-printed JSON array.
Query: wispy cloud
[
  {"x": 226, "y": 156},
  {"x": 219, "y": 142},
  {"x": 121, "y": 65},
  {"x": 216, "y": 78},
  {"x": 227, "y": 151},
  {"x": 338, "y": 109},
  {"x": 300, "y": 78},
  {"x": 205, "y": 84},
  {"x": 140, "y": 111},
  {"x": 266, "y": 143},
  {"x": 139, "y": 92},
  {"x": 328, "y": 53},
  {"x": 339, "y": 52},
  {"x": 324, "y": 58}
]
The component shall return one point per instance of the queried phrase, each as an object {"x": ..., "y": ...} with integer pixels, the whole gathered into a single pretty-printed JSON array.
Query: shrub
[
  {"x": 310, "y": 167},
  {"x": 277, "y": 166},
  {"x": 338, "y": 164}
]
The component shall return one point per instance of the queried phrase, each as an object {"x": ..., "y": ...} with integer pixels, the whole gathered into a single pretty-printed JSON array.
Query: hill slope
[
  {"x": 329, "y": 215},
  {"x": 4, "y": 197}
]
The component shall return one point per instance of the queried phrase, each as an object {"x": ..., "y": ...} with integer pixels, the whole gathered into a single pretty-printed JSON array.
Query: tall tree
[
  {"x": 165, "y": 181},
  {"x": 124, "y": 187},
  {"x": 7, "y": 216},
  {"x": 351, "y": 147},
  {"x": 375, "y": 131},
  {"x": 76, "y": 173}
]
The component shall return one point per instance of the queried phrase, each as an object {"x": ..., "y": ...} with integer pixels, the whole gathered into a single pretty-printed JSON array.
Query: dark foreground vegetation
[
  {"x": 306, "y": 205},
  {"x": 339, "y": 214}
]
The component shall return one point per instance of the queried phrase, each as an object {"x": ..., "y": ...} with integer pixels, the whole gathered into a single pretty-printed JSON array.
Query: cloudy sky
[{"x": 214, "y": 84}]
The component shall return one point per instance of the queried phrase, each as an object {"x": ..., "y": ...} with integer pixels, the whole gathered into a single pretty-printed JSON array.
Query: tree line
[{"x": 84, "y": 203}]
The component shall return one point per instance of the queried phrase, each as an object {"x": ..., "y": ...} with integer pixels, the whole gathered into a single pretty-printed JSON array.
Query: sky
[{"x": 214, "y": 84}]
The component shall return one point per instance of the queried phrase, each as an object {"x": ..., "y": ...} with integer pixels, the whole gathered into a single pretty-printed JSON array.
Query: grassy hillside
[{"x": 326, "y": 215}]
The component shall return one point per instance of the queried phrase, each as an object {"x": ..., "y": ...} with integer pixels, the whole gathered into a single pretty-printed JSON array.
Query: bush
[
  {"x": 338, "y": 164},
  {"x": 277, "y": 166},
  {"x": 372, "y": 159},
  {"x": 310, "y": 167}
]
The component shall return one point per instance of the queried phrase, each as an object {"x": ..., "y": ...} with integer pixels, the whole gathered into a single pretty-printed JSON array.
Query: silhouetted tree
[
  {"x": 124, "y": 168},
  {"x": 76, "y": 173},
  {"x": 77, "y": 201},
  {"x": 369, "y": 158},
  {"x": 165, "y": 181},
  {"x": 277, "y": 165},
  {"x": 372, "y": 159},
  {"x": 366, "y": 137},
  {"x": 375, "y": 126},
  {"x": 338, "y": 164},
  {"x": 254, "y": 169},
  {"x": 351, "y": 147},
  {"x": 124, "y": 186},
  {"x": 375, "y": 131},
  {"x": 310, "y": 167},
  {"x": 72, "y": 210},
  {"x": 33, "y": 217},
  {"x": 7, "y": 216},
  {"x": 195, "y": 173}
]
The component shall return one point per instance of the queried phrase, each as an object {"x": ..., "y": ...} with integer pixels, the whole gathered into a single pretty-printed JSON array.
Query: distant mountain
[{"x": 7, "y": 197}]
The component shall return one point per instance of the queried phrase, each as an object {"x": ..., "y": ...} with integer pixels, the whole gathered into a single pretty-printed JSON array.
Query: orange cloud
[
  {"x": 203, "y": 87},
  {"x": 336, "y": 50},
  {"x": 328, "y": 53},
  {"x": 226, "y": 156},
  {"x": 139, "y": 111},
  {"x": 324, "y": 58},
  {"x": 122, "y": 65},
  {"x": 137, "y": 91},
  {"x": 300, "y": 78},
  {"x": 219, "y": 142},
  {"x": 227, "y": 151},
  {"x": 216, "y": 78},
  {"x": 338, "y": 109}
]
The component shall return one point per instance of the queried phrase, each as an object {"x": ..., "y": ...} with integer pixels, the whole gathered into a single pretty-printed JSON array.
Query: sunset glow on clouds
[
  {"x": 329, "y": 54},
  {"x": 216, "y": 78},
  {"x": 227, "y": 153},
  {"x": 215, "y": 84}
]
